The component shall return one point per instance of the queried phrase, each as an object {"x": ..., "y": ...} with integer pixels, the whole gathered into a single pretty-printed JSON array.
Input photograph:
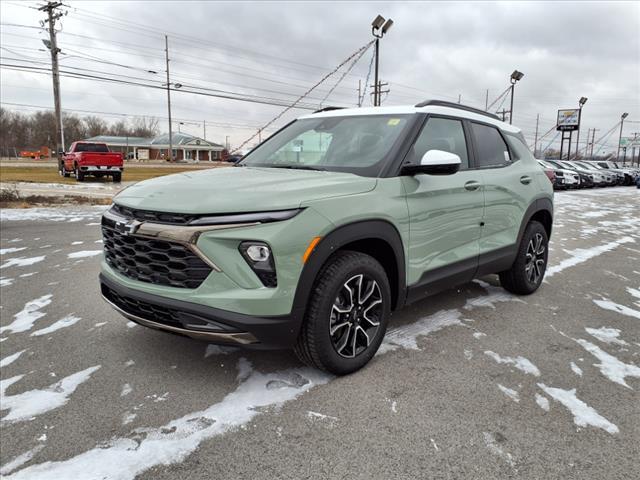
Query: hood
[{"x": 240, "y": 189}]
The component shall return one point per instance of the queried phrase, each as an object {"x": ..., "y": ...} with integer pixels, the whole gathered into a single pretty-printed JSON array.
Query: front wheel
[
  {"x": 347, "y": 314},
  {"x": 526, "y": 274},
  {"x": 62, "y": 171}
]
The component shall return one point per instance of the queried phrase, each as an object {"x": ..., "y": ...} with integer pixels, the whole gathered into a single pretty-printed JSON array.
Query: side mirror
[
  {"x": 60, "y": 152},
  {"x": 436, "y": 162}
]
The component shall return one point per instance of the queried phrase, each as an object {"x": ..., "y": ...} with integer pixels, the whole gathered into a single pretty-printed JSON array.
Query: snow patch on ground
[
  {"x": 479, "y": 335},
  {"x": 543, "y": 402},
  {"x": 610, "y": 366},
  {"x": 582, "y": 255},
  {"x": 128, "y": 417},
  {"x": 320, "y": 416},
  {"x": 8, "y": 360},
  {"x": 63, "y": 214},
  {"x": 583, "y": 414},
  {"x": 126, "y": 390},
  {"x": 62, "y": 323},
  {"x": 25, "y": 318},
  {"x": 77, "y": 243},
  {"x": 406, "y": 336},
  {"x": 616, "y": 307},
  {"x": 20, "y": 460},
  {"x": 5, "y": 282},
  {"x": 576, "y": 369},
  {"x": 126, "y": 457},
  {"x": 512, "y": 394},
  {"x": 84, "y": 253},
  {"x": 4, "y": 251},
  {"x": 606, "y": 335},
  {"x": 520, "y": 363},
  {"x": 22, "y": 261},
  {"x": 26, "y": 405}
]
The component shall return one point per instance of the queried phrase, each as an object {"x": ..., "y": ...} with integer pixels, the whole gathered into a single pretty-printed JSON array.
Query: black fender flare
[
  {"x": 338, "y": 238},
  {"x": 538, "y": 205}
]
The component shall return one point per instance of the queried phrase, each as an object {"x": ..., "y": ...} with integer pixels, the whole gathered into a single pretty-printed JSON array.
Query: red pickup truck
[{"x": 88, "y": 158}]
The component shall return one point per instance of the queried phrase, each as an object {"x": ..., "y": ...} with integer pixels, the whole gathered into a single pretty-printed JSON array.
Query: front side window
[
  {"x": 441, "y": 134},
  {"x": 356, "y": 144},
  {"x": 491, "y": 148}
]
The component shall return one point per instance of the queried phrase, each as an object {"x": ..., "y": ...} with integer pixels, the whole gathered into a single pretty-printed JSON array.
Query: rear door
[
  {"x": 445, "y": 210},
  {"x": 509, "y": 187}
]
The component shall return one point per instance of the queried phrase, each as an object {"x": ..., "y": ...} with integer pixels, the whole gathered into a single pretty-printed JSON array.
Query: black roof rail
[
  {"x": 444, "y": 103},
  {"x": 328, "y": 109}
]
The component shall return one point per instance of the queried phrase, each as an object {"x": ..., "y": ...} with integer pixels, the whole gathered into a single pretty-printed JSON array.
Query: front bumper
[{"x": 201, "y": 322}]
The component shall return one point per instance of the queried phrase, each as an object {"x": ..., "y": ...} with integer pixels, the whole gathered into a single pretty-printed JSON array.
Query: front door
[{"x": 445, "y": 211}]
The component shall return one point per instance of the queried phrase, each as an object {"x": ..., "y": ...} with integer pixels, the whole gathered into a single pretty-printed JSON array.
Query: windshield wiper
[{"x": 298, "y": 167}]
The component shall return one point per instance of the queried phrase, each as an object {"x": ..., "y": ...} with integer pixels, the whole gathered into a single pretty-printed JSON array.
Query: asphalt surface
[{"x": 473, "y": 383}]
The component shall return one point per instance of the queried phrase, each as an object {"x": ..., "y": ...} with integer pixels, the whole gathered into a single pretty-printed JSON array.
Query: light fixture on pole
[
  {"x": 516, "y": 76},
  {"x": 624, "y": 115},
  {"x": 379, "y": 27},
  {"x": 581, "y": 103}
]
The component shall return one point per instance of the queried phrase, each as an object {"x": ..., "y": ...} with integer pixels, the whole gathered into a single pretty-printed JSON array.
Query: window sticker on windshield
[{"x": 393, "y": 122}]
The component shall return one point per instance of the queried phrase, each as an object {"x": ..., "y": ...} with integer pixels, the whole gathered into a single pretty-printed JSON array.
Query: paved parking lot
[{"x": 472, "y": 383}]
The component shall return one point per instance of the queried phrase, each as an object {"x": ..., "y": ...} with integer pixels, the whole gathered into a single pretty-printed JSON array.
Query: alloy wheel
[
  {"x": 355, "y": 315},
  {"x": 534, "y": 266}
]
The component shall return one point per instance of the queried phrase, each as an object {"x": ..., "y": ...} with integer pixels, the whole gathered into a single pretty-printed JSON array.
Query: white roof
[{"x": 410, "y": 109}]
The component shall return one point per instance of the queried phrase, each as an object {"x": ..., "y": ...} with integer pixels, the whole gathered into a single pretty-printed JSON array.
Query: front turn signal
[{"x": 309, "y": 250}]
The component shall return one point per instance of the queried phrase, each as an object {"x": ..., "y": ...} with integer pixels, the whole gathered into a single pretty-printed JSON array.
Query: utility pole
[
  {"x": 593, "y": 140},
  {"x": 359, "y": 93},
  {"x": 535, "y": 142},
  {"x": 622, "y": 117},
  {"x": 166, "y": 53},
  {"x": 503, "y": 112},
  {"x": 52, "y": 16},
  {"x": 459, "y": 98},
  {"x": 486, "y": 101},
  {"x": 204, "y": 129},
  {"x": 516, "y": 76}
]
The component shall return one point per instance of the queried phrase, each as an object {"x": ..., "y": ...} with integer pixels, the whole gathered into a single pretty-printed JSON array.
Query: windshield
[
  {"x": 554, "y": 164},
  {"x": 585, "y": 165},
  {"x": 356, "y": 144}
]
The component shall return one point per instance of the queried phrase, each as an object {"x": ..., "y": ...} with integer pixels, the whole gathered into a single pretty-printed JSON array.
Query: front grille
[
  {"x": 156, "y": 217},
  {"x": 163, "y": 315},
  {"x": 153, "y": 261}
]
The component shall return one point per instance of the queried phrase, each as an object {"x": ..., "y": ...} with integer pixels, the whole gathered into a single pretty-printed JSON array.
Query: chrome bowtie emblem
[{"x": 128, "y": 228}]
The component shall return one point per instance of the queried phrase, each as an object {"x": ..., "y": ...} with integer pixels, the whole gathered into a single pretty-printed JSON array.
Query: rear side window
[
  {"x": 441, "y": 134},
  {"x": 492, "y": 150}
]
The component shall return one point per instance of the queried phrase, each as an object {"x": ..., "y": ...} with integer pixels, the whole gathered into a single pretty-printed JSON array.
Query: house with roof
[{"x": 185, "y": 147}]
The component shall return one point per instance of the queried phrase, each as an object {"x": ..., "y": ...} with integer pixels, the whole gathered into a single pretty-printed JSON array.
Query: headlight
[{"x": 259, "y": 257}]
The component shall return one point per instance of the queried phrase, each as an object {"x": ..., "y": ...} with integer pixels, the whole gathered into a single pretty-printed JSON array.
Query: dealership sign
[
  {"x": 630, "y": 142},
  {"x": 568, "y": 120}
]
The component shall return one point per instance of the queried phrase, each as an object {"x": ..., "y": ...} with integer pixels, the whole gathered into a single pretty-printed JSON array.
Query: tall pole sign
[{"x": 568, "y": 122}]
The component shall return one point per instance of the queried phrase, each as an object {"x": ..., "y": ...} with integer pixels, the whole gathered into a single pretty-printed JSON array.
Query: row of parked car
[{"x": 566, "y": 174}]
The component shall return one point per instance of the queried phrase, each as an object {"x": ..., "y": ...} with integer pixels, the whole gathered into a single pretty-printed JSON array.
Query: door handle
[
  {"x": 472, "y": 185},
  {"x": 525, "y": 179}
]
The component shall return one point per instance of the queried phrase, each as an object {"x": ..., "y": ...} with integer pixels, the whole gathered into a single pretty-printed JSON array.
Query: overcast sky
[{"x": 279, "y": 49}]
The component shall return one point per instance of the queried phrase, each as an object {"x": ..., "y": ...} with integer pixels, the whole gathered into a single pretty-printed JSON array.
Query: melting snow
[
  {"x": 512, "y": 394},
  {"x": 405, "y": 336},
  {"x": 22, "y": 261},
  {"x": 543, "y": 402},
  {"x": 5, "y": 282},
  {"x": 576, "y": 369},
  {"x": 25, "y": 319},
  {"x": 77, "y": 243},
  {"x": 126, "y": 390},
  {"x": 583, "y": 414},
  {"x": 62, "y": 323},
  {"x": 51, "y": 214},
  {"x": 128, "y": 417},
  {"x": 10, "y": 359},
  {"x": 492, "y": 444},
  {"x": 84, "y": 253},
  {"x": 20, "y": 460},
  {"x": 606, "y": 335},
  {"x": 520, "y": 363},
  {"x": 26, "y": 405},
  {"x": 4, "y": 251},
  {"x": 125, "y": 458},
  {"x": 581, "y": 255},
  {"x": 320, "y": 416},
  {"x": 479, "y": 335},
  {"x": 610, "y": 366},
  {"x": 616, "y": 307}
]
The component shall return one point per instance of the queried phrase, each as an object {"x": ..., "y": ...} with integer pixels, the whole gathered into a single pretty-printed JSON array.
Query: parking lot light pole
[
  {"x": 624, "y": 115},
  {"x": 581, "y": 103},
  {"x": 379, "y": 27},
  {"x": 516, "y": 76}
]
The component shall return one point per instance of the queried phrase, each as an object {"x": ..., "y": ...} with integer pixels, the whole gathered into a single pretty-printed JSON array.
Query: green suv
[{"x": 329, "y": 225}]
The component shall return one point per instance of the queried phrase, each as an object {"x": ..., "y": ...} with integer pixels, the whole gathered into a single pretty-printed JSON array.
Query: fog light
[{"x": 258, "y": 253}]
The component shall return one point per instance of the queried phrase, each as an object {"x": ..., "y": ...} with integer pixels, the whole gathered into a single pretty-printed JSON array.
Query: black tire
[
  {"x": 117, "y": 177},
  {"x": 63, "y": 171},
  {"x": 316, "y": 346},
  {"x": 79, "y": 174},
  {"x": 527, "y": 272}
]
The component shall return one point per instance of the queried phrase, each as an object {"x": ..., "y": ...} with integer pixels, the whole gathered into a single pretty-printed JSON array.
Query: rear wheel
[
  {"x": 347, "y": 314},
  {"x": 526, "y": 274},
  {"x": 79, "y": 174}
]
